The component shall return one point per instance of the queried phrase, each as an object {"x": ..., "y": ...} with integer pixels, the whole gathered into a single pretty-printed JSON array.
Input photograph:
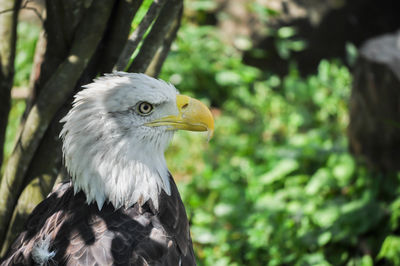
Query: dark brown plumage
[{"x": 83, "y": 235}]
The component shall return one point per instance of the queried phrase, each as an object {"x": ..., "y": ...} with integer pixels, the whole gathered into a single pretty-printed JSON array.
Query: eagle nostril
[{"x": 184, "y": 106}]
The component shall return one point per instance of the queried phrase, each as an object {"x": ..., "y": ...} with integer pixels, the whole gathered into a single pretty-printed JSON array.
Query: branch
[
  {"x": 51, "y": 97},
  {"x": 117, "y": 34},
  {"x": 54, "y": 44},
  {"x": 156, "y": 36},
  {"x": 8, "y": 36},
  {"x": 158, "y": 60},
  {"x": 24, "y": 6},
  {"x": 137, "y": 36}
]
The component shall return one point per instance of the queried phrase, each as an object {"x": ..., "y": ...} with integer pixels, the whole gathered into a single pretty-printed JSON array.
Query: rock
[{"x": 374, "y": 129}]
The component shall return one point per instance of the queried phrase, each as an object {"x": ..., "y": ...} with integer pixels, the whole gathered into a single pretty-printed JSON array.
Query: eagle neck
[{"x": 128, "y": 172}]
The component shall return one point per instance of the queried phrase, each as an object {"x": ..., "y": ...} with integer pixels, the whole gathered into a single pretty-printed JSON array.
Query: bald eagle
[{"x": 121, "y": 206}]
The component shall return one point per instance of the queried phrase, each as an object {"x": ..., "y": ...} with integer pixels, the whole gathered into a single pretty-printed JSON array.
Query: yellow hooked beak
[{"x": 193, "y": 116}]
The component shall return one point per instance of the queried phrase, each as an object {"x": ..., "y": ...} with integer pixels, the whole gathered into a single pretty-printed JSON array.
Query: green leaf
[
  {"x": 390, "y": 249},
  {"x": 324, "y": 238},
  {"x": 327, "y": 216},
  {"x": 227, "y": 78},
  {"x": 203, "y": 235},
  {"x": 319, "y": 182},
  {"x": 282, "y": 169},
  {"x": 286, "y": 32}
]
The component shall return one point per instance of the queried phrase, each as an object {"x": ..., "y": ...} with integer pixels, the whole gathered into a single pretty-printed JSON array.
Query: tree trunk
[
  {"x": 8, "y": 32},
  {"x": 154, "y": 40},
  {"x": 82, "y": 40},
  {"x": 374, "y": 129}
]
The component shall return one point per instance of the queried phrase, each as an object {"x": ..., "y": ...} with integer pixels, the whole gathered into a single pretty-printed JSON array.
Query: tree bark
[
  {"x": 138, "y": 34},
  {"x": 8, "y": 33},
  {"x": 156, "y": 35},
  {"x": 62, "y": 19},
  {"x": 158, "y": 60},
  {"x": 117, "y": 34},
  {"x": 374, "y": 129}
]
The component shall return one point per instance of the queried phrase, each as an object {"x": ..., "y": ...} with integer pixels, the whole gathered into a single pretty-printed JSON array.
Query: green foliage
[
  {"x": 391, "y": 249},
  {"x": 286, "y": 42},
  {"x": 212, "y": 70},
  {"x": 276, "y": 185},
  {"x": 26, "y": 45}
]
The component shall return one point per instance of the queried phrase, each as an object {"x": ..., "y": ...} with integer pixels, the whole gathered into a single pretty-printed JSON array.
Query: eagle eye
[{"x": 145, "y": 108}]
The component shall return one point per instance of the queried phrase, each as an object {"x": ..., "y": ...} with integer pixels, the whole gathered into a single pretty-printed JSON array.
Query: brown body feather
[{"x": 80, "y": 234}]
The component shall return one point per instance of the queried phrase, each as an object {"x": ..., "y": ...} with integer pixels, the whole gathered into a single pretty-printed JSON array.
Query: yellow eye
[{"x": 145, "y": 108}]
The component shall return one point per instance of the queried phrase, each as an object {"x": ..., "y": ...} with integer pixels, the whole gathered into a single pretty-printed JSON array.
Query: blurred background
[{"x": 303, "y": 168}]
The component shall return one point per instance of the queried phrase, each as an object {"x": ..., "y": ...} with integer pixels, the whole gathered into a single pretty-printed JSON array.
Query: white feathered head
[{"x": 115, "y": 135}]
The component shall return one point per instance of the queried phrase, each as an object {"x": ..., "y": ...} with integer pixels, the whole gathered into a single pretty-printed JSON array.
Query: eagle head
[{"x": 115, "y": 135}]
